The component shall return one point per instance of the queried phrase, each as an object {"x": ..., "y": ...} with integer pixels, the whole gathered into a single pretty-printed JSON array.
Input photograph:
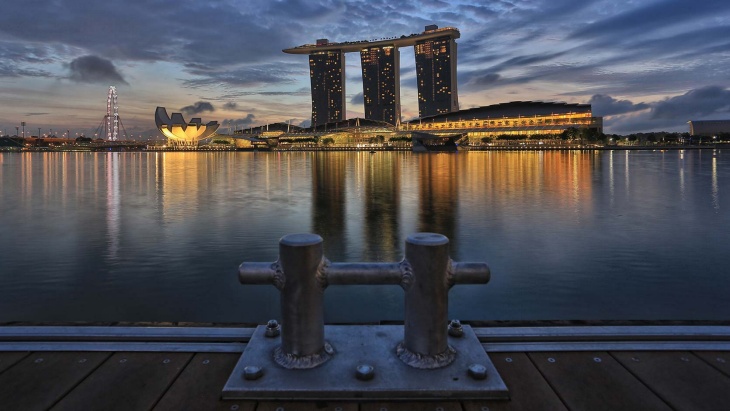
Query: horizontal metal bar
[
  {"x": 364, "y": 273},
  {"x": 256, "y": 273},
  {"x": 471, "y": 273},
  {"x": 113, "y": 333},
  {"x": 604, "y": 333},
  {"x": 121, "y": 346},
  {"x": 607, "y": 346}
]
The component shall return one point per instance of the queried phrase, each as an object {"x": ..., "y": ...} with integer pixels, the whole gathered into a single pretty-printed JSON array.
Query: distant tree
[
  {"x": 486, "y": 140},
  {"x": 328, "y": 141}
]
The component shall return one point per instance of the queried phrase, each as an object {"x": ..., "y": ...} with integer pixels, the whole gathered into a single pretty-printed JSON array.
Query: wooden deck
[{"x": 538, "y": 380}]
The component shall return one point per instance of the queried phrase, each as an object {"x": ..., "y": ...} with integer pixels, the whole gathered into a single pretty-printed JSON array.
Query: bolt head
[
  {"x": 455, "y": 329},
  {"x": 252, "y": 372},
  {"x": 273, "y": 329},
  {"x": 365, "y": 372},
  {"x": 478, "y": 371}
]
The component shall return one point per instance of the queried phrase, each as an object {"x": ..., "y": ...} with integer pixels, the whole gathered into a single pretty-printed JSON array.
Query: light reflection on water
[{"x": 159, "y": 236}]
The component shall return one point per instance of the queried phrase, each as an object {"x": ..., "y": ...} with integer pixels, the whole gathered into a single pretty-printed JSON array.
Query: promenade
[{"x": 544, "y": 368}]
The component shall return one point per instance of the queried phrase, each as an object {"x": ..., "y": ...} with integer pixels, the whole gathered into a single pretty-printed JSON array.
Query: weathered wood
[
  {"x": 594, "y": 381},
  {"x": 199, "y": 385},
  {"x": 7, "y": 359},
  {"x": 411, "y": 406},
  {"x": 717, "y": 359},
  {"x": 306, "y": 406},
  {"x": 528, "y": 390},
  {"x": 41, "y": 379},
  {"x": 683, "y": 380},
  {"x": 126, "y": 381}
]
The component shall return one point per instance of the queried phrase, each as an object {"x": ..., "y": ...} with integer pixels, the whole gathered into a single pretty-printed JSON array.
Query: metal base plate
[{"x": 364, "y": 344}]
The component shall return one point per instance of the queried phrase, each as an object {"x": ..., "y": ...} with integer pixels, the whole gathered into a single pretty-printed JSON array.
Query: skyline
[{"x": 643, "y": 66}]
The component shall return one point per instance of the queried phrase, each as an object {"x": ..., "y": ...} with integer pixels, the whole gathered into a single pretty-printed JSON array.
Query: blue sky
[{"x": 644, "y": 65}]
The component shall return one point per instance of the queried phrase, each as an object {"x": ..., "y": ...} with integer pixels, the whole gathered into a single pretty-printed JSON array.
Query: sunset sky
[{"x": 643, "y": 65}]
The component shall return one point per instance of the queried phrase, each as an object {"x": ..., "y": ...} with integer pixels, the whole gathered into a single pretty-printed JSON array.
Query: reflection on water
[{"x": 159, "y": 236}]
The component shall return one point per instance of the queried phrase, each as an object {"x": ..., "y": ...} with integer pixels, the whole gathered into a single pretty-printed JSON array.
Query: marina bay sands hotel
[{"x": 435, "y": 51}]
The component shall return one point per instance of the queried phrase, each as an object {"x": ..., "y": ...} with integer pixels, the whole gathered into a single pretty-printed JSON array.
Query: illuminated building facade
[
  {"x": 181, "y": 133},
  {"x": 436, "y": 71},
  {"x": 381, "y": 83},
  {"x": 327, "y": 75},
  {"x": 708, "y": 127},
  {"x": 436, "y": 75}
]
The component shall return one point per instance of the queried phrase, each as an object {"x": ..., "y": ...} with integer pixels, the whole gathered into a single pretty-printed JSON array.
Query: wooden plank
[
  {"x": 717, "y": 359},
  {"x": 528, "y": 390},
  {"x": 594, "y": 381},
  {"x": 7, "y": 359},
  {"x": 683, "y": 380},
  {"x": 200, "y": 384},
  {"x": 306, "y": 406},
  {"x": 126, "y": 381},
  {"x": 41, "y": 379},
  {"x": 411, "y": 406}
]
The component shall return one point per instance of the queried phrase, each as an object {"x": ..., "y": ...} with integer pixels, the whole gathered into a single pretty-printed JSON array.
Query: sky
[{"x": 644, "y": 65}]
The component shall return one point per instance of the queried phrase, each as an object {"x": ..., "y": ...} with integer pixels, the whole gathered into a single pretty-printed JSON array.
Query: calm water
[{"x": 568, "y": 235}]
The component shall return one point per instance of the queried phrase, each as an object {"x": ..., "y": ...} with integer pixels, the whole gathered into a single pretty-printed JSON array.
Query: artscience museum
[{"x": 181, "y": 133}]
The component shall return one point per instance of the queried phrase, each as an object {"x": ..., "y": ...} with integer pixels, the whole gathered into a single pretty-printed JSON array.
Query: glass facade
[
  {"x": 327, "y": 75},
  {"x": 381, "y": 83}
]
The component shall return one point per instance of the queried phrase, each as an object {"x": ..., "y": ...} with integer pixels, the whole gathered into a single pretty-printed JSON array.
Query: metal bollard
[
  {"x": 297, "y": 275},
  {"x": 426, "y": 274}
]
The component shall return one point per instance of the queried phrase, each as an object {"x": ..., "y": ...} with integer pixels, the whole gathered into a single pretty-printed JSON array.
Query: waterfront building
[
  {"x": 327, "y": 75},
  {"x": 381, "y": 83},
  {"x": 517, "y": 119},
  {"x": 708, "y": 127},
  {"x": 436, "y": 74},
  {"x": 181, "y": 133}
]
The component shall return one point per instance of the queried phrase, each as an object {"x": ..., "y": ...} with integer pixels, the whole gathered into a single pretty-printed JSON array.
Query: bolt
[
  {"x": 273, "y": 329},
  {"x": 364, "y": 372},
  {"x": 252, "y": 372},
  {"x": 455, "y": 329},
  {"x": 478, "y": 371}
]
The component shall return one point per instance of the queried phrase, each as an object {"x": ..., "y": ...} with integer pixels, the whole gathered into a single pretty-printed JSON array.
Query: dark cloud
[
  {"x": 604, "y": 105},
  {"x": 197, "y": 108},
  {"x": 231, "y": 105},
  {"x": 241, "y": 122},
  {"x": 701, "y": 102},
  {"x": 247, "y": 76},
  {"x": 94, "y": 69},
  {"x": 657, "y": 15},
  {"x": 36, "y": 114},
  {"x": 358, "y": 98}
]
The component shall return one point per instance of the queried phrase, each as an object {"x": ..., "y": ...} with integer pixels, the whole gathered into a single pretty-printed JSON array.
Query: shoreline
[{"x": 368, "y": 149}]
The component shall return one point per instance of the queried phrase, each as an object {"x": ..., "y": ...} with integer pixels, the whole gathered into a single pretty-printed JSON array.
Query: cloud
[
  {"x": 94, "y": 69},
  {"x": 231, "y": 105},
  {"x": 483, "y": 79},
  {"x": 358, "y": 98},
  {"x": 701, "y": 102},
  {"x": 36, "y": 114},
  {"x": 197, "y": 108},
  {"x": 241, "y": 122},
  {"x": 604, "y": 105}
]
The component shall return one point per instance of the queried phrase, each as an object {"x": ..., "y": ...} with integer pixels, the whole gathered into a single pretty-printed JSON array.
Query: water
[{"x": 568, "y": 235}]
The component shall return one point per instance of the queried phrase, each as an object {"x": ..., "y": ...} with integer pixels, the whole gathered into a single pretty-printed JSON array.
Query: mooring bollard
[
  {"x": 297, "y": 275},
  {"x": 426, "y": 274}
]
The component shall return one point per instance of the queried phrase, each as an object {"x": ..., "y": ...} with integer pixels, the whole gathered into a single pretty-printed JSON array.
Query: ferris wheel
[
  {"x": 110, "y": 125},
  {"x": 112, "y": 115}
]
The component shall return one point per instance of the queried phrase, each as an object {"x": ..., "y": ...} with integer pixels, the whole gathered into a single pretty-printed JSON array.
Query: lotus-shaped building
[{"x": 182, "y": 133}]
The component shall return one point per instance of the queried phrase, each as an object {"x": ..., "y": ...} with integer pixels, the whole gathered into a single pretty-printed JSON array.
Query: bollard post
[
  {"x": 298, "y": 276},
  {"x": 425, "y": 343}
]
